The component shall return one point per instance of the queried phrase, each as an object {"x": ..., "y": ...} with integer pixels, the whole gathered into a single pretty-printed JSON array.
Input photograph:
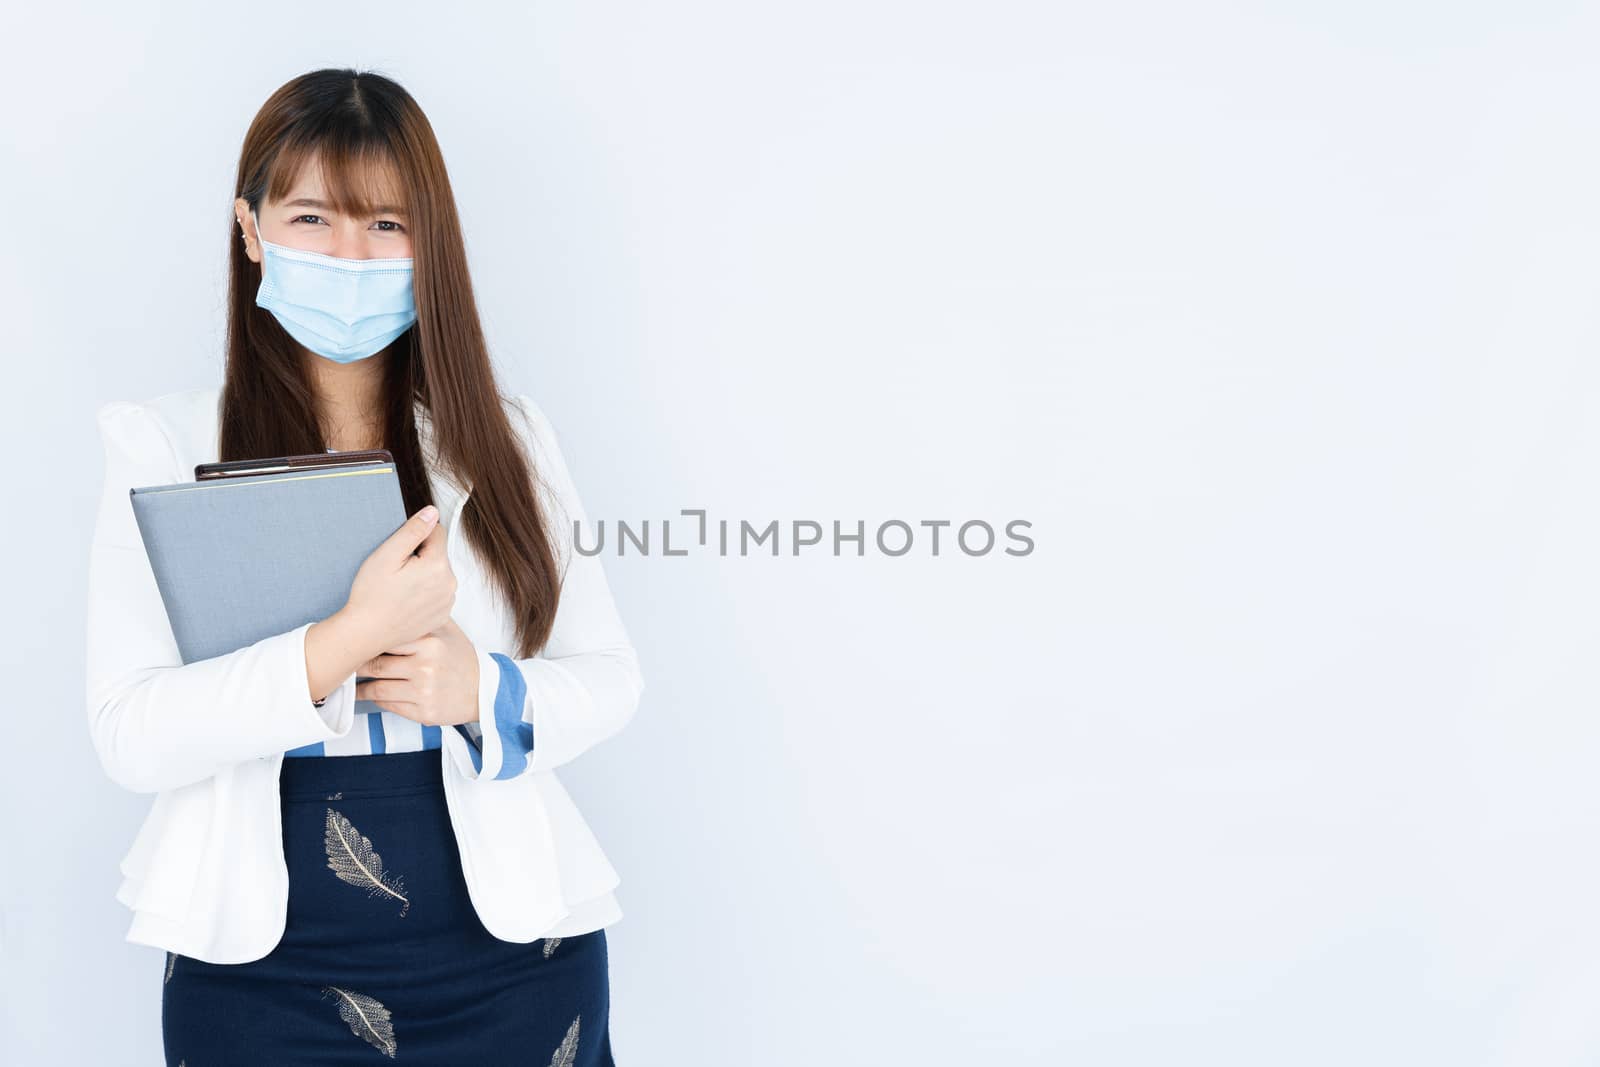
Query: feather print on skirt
[
  {"x": 172, "y": 959},
  {"x": 567, "y": 1054},
  {"x": 366, "y": 1017},
  {"x": 351, "y": 857},
  {"x": 550, "y": 944}
]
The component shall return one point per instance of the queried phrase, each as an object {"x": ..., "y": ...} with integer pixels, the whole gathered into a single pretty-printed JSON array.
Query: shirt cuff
[{"x": 499, "y": 743}]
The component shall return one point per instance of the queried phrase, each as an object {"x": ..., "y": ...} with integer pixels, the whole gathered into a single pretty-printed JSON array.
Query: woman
[{"x": 412, "y": 883}]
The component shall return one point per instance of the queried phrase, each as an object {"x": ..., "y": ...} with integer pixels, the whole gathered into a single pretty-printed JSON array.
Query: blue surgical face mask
[{"x": 341, "y": 309}]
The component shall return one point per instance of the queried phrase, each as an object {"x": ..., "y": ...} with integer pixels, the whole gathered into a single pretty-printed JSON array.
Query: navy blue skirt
[{"x": 383, "y": 956}]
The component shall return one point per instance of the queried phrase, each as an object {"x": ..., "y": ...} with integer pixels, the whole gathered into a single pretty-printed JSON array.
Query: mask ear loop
[{"x": 262, "y": 241}]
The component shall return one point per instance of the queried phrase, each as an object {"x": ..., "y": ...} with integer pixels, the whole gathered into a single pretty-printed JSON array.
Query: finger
[
  {"x": 432, "y": 545},
  {"x": 403, "y": 708},
  {"x": 383, "y": 665},
  {"x": 379, "y": 690},
  {"x": 375, "y": 669},
  {"x": 398, "y": 546}
]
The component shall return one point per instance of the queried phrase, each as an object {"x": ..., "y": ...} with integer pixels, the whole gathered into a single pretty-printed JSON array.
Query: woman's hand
[
  {"x": 405, "y": 587},
  {"x": 432, "y": 680}
]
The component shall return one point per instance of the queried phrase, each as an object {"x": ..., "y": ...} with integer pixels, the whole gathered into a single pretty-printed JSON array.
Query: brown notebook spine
[{"x": 273, "y": 465}]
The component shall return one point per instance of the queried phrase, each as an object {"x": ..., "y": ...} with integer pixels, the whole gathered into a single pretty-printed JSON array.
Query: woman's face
[{"x": 306, "y": 219}]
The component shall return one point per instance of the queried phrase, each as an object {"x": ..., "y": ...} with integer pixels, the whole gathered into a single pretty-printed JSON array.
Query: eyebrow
[{"x": 322, "y": 205}]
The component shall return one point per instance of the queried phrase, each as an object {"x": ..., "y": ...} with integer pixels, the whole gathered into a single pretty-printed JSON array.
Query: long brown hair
[{"x": 348, "y": 121}]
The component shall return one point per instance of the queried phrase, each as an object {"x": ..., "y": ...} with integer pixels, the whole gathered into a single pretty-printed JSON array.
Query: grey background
[{"x": 1276, "y": 320}]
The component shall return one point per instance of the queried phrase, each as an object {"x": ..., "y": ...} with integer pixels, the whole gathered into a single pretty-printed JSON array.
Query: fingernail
[{"x": 430, "y": 513}]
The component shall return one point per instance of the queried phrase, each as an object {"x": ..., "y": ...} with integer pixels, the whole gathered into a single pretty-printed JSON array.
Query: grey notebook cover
[{"x": 242, "y": 558}]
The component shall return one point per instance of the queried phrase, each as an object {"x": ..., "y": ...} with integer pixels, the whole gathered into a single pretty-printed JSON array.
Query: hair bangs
[{"x": 359, "y": 174}]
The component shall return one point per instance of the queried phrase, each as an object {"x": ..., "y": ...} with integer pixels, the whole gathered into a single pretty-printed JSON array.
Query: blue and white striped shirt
[{"x": 384, "y": 731}]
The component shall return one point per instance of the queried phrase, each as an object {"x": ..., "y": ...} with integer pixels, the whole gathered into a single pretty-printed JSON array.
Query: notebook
[{"x": 254, "y": 548}]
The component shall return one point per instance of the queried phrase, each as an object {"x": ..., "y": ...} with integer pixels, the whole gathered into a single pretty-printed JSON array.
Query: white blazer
[{"x": 206, "y": 877}]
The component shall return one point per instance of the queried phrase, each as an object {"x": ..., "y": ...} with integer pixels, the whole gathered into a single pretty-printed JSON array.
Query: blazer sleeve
[
  {"x": 583, "y": 687},
  {"x": 156, "y": 722}
]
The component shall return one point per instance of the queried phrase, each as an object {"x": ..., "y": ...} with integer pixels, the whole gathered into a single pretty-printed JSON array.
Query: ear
[{"x": 247, "y": 229}]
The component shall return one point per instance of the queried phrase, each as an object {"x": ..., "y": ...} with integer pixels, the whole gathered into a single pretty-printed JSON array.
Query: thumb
[{"x": 400, "y": 544}]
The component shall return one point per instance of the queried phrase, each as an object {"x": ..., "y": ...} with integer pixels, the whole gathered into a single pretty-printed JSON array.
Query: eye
[
  {"x": 390, "y": 222},
  {"x": 297, "y": 218}
]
